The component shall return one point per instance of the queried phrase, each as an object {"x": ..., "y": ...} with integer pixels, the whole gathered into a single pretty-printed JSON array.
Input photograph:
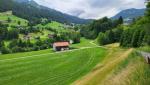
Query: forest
[
  {"x": 31, "y": 11},
  {"x": 16, "y": 38},
  {"x": 104, "y": 30},
  {"x": 107, "y": 31}
]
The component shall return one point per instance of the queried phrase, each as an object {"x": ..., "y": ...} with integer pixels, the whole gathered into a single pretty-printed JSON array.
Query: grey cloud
[
  {"x": 77, "y": 12},
  {"x": 92, "y": 8}
]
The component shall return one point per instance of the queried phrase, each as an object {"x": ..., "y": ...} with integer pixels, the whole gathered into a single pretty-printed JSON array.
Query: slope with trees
[
  {"x": 19, "y": 35},
  {"x": 92, "y": 30},
  {"x": 30, "y": 10},
  {"x": 136, "y": 35}
]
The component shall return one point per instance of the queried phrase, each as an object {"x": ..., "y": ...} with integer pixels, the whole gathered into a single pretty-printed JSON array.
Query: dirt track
[{"x": 101, "y": 71}]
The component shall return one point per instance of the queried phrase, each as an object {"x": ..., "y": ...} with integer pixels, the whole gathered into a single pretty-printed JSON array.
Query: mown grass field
[
  {"x": 53, "y": 24},
  {"x": 83, "y": 43},
  {"x": 48, "y": 69},
  {"x": 120, "y": 67}
]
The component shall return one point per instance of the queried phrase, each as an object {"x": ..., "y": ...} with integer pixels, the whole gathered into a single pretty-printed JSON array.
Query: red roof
[{"x": 59, "y": 44}]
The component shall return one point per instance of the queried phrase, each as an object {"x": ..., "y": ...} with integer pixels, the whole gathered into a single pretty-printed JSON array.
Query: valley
[
  {"x": 65, "y": 68},
  {"x": 40, "y": 45}
]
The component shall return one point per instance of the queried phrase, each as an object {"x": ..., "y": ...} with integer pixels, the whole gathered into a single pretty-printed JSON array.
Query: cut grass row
[
  {"x": 25, "y": 54},
  {"x": 119, "y": 67},
  {"x": 103, "y": 69},
  {"x": 53, "y": 69}
]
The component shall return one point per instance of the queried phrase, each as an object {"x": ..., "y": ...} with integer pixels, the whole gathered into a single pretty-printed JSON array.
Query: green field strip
[{"x": 50, "y": 68}]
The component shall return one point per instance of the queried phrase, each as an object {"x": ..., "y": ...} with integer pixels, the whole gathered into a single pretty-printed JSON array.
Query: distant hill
[
  {"x": 130, "y": 13},
  {"x": 22, "y": 1},
  {"x": 33, "y": 12}
]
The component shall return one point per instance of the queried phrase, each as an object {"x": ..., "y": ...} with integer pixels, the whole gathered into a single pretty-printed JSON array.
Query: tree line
[
  {"x": 91, "y": 31},
  {"x": 34, "y": 12},
  {"x": 138, "y": 33},
  {"x": 16, "y": 44}
]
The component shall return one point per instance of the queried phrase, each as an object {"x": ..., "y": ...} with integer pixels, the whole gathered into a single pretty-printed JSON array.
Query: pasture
[
  {"x": 119, "y": 67},
  {"x": 59, "y": 27},
  {"x": 14, "y": 19},
  {"x": 48, "y": 68}
]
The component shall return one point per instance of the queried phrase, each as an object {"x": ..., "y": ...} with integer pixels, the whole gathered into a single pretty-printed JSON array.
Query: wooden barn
[{"x": 61, "y": 46}]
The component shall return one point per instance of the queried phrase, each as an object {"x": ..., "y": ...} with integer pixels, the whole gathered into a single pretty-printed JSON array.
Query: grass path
[
  {"x": 102, "y": 70},
  {"x": 121, "y": 77}
]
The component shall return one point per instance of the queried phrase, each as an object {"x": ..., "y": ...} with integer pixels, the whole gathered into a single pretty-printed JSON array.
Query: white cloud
[{"x": 91, "y": 8}]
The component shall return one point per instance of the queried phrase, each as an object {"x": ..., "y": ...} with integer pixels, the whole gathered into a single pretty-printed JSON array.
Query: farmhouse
[
  {"x": 61, "y": 46},
  {"x": 51, "y": 35}
]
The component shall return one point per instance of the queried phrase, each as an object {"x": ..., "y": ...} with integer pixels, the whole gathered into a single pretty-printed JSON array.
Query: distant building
[
  {"x": 61, "y": 46},
  {"x": 127, "y": 21},
  {"x": 51, "y": 35}
]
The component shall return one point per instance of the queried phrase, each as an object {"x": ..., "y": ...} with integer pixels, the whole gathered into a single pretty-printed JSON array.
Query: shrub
[
  {"x": 36, "y": 48},
  {"x": 5, "y": 50},
  {"x": 45, "y": 46},
  {"x": 18, "y": 49}
]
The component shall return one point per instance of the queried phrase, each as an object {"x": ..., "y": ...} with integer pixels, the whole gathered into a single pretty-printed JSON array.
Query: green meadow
[
  {"x": 60, "y": 68},
  {"x": 14, "y": 19}
]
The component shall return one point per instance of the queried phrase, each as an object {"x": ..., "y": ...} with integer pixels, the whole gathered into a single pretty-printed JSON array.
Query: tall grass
[
  {"x": 132, "y": 71},
  {"x": 145, "y": 48}
]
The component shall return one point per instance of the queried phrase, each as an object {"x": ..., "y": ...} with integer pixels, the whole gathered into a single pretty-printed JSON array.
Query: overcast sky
[{"x": 92, "y": 9}]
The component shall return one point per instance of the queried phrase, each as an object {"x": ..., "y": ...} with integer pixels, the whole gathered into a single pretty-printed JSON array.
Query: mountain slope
[
  {"x": 30, "y": 10},
  {"x": 13, "y": 19},
  {"x": 130, "y": 13},
  {"x": 22, "y": 1}
]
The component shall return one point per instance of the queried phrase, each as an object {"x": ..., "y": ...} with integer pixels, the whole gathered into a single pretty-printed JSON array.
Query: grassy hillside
[
  {"x": 59, "y": 27},
  {"x": 49, "y": 69},
  {"x": 43, "y": 29},
  {"x": 14, "y": 19},
  {"x": 43, "y": 35},
  {"x": 98, "y": 66},
  {"x": 119, "y": 67},
  {"x": 83, "y": 43}
]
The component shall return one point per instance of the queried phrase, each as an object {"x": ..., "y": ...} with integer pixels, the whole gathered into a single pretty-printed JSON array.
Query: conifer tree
[
  {"x": 148, "y": 10},
  {"x": 120, "y": 20},
  {"x": 141, "y": 38},
  {"x": 135, "y": 38}
]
